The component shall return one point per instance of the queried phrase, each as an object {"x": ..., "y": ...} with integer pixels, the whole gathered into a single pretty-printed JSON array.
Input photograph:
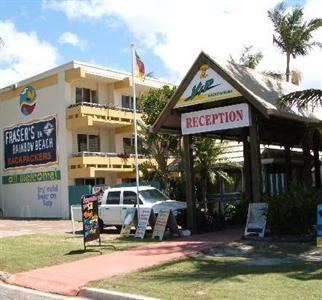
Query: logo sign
[
  {"x": 215, "y": 119},
  {"x": 31, "y": 144},
  {"x": 206, "y": 86},
  {"x": 28, "y": 99},
  {"x": 91, "y": 229},
  {"x": 31, "y": 177}
]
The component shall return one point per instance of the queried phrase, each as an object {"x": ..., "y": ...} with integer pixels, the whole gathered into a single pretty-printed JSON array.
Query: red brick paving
[{"x": 68, "y": 278}]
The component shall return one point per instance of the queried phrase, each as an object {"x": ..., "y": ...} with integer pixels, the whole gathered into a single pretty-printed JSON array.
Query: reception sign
[
  {"x": 226, "y": 117},
  {"x": 206, "y": 86},
  {"x": 31, "y": 144}
]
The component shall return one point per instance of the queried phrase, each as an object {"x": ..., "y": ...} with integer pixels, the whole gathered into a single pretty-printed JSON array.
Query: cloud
[
  {"x": 73, "y": 39},
  {"x": 177, "y": 30},
  {"x": 23, "y": 54}
]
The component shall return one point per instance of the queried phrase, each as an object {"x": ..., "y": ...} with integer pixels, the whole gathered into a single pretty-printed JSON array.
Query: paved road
[{"x": 11, "y": 227}]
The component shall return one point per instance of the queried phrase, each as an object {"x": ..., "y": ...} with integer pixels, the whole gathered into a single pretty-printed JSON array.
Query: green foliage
[
  {"x": 293, "y": 212},
  {"x": 292, "y": 34},
  {"x": 249, "y": 59},
  {"x": 159, "y": 146},
  {"x": 153, "y": 103},
  {"x": 237, "y": 212}
]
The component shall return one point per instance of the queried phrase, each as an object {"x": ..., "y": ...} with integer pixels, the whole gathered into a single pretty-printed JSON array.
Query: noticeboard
[
  {"x": 256, "y": 219},
  {"x": 91, "y": 229},
  {"x": 144, "y": 217},
  {"x": 129, "y": 218},
  {"x": 161, "y": 223}
]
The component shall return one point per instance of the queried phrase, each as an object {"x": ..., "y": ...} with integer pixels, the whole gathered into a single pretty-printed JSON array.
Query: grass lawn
[
  {"x": 34, "y": 251},
  {"x": 260, "y": 271}
]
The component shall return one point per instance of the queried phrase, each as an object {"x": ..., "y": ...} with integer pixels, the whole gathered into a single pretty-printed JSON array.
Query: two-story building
[{"x": 71, "y": 125}]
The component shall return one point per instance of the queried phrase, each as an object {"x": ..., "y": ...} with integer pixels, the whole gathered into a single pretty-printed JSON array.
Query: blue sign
[
  {"x": 319, "y": 223},
  {"x": 31, "y": 144}
]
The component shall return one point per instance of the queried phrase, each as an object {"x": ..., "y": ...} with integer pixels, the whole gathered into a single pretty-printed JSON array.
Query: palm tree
[
  {"x": 293, "y": 35},
  {"x": 208, "y": 164}
]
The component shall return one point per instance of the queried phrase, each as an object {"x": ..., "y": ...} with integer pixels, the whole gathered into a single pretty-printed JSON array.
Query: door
[
  {"x": 110, "y": 212},
  {"x": 129, "y": 201}
]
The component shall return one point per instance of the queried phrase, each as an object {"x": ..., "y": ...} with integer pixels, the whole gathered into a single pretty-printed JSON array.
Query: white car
[{"x": 115, "y": 201}]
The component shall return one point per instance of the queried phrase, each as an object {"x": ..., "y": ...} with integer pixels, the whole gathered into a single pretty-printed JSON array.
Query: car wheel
[{"x": 118, "y": 228}]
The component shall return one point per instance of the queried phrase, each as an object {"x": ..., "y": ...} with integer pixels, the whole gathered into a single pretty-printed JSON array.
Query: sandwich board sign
[
  {"x": 319, "y": 226},
  {"x": 91, "y": 229},
  {"x": 165, "y": 219},
  {"x": 256, "y": 219},
  {"x": 144, "y": 218},
  {"x": 128, "y": 222},
  {"x": 161, "y": 223}
]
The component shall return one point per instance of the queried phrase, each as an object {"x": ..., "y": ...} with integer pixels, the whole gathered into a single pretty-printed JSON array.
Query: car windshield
[{"x": 153, "y": 195}]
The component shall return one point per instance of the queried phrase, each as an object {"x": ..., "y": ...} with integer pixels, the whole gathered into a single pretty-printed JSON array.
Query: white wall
[{"x": 40, "y": 199}]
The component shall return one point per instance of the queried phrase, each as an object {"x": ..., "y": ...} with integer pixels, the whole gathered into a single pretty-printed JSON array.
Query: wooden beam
[
  {"x": 246, "y": 167},
  {"x": 307, "y": 176},
  {"x": 189, "y": 176},
  {"x": 288, "y": 164},
  {"x": 254, "y": 146},
  {"x": 317, "y": 164}
]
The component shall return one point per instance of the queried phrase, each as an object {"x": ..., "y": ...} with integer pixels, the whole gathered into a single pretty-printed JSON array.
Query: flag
[{"x": 139, "y": 66}]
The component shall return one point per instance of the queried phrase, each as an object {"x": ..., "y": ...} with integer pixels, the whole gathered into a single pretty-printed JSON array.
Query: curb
[
  {"x": 16, "y": 292},
  {"x": 101, "y": 294}
]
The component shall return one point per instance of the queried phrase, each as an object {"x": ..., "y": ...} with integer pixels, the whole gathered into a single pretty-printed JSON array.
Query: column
[{"x": 190, "y": 187}]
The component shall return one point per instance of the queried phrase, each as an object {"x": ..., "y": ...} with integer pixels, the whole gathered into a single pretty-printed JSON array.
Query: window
[
  {"x": 90, "y": 143},
  {"x": 90, "y": 181},
  {"x": 130, "y": 198},
  {"x": 128, "y": 145},
  {"x": 85, "y": 95},
  {"x": 127, "y": 102},
  {"x": 113, "y": 198}
]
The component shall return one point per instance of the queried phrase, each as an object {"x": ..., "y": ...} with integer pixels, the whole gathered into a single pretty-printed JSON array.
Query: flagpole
[{"x": 135, "y": 131}]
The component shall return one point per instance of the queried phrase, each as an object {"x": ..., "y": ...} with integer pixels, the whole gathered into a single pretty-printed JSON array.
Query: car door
[
  {"x": 111, "y": 210},
  {"x": 129, "y": 201}
]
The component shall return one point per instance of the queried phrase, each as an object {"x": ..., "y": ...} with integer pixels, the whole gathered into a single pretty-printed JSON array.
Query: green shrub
[{"x": 293, "y": 212}]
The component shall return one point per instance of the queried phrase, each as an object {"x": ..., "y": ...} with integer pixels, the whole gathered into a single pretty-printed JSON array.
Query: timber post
[{"x": 190, "y": 186}]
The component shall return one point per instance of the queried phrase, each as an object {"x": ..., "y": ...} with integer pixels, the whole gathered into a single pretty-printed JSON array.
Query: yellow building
[{"x": 72, "y": 125}]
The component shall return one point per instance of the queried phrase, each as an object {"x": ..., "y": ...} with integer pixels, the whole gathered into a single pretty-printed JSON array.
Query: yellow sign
[{"x": 206, "y": 86}]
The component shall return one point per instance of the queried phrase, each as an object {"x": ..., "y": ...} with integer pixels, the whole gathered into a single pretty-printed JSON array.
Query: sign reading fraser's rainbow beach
[
  {"x": 226, "y": 117},
  {"x": 31, "y": 144},
  {"x": 206, "y": 86}
]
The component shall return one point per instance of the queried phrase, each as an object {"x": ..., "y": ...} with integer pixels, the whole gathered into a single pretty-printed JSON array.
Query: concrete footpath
[{"x": 68, "y": 278}]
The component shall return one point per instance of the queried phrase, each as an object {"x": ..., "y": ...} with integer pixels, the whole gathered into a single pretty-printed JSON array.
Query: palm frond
[{"x": 305, "y": 99}]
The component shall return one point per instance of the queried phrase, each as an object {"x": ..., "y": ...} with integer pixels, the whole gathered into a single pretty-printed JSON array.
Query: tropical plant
[
  {"x": 209, "y": 165},
  {"x": 159, "y": 146},
  {"x": 294, "y": 211},
  {"x": 249, "y": 59},
  {"x": 293, "y": 35}
]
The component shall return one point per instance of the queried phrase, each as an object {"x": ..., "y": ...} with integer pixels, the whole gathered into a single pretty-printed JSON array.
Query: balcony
[
  {"x": 98, "y": 164},
  {"x": 83, "y": 115}
]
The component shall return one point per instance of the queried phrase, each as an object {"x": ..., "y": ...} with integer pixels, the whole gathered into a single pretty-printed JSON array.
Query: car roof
[{"x": 131, "y": 188}]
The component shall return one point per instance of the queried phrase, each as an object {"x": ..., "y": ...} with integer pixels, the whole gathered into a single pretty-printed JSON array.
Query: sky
[{"x": 168, "y": 35}]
